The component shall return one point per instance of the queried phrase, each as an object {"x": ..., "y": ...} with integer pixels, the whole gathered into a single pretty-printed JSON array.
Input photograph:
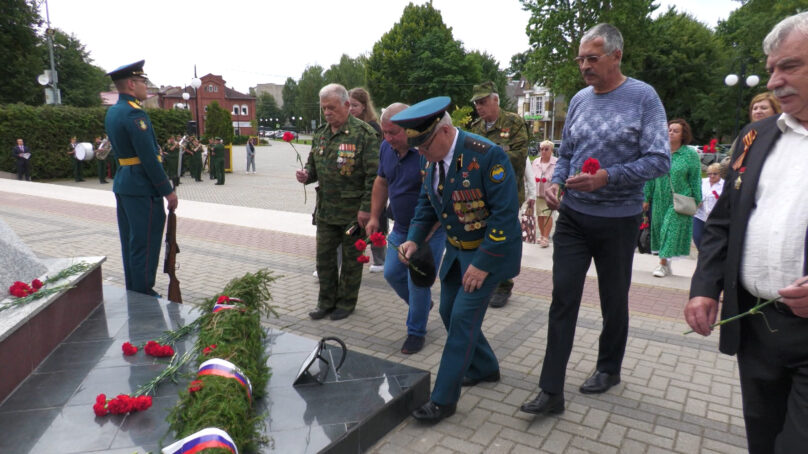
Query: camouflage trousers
[{"x": 338, "y": 288}]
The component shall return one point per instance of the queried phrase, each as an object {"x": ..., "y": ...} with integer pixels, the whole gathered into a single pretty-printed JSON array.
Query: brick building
[{"x": 213, "y": 88}]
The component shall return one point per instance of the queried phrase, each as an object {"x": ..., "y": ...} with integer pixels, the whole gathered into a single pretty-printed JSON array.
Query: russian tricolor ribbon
[
  {"x": 207, "y": 438},
  {"x": 220, "y": 307},
  {"x": 223, "y": 368}
]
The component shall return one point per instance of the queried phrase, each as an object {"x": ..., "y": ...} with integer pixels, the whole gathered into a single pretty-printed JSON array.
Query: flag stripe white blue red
[
  {"x": 222, "y": 368},
  {"x": 207, "y": 438}
]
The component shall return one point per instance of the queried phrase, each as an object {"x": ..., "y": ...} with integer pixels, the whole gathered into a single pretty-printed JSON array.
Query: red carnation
[
  {"x": 142, "y": 403},
  {"x": 100, "y": 409},
  {"x": 288, "y": 136},
  {"x": 195, "y": 386},
  {"x": 223, "y": 299},
  {"x": 208, "y": 350},
  {"x": 378, "y": 239},
  {"x": 363, "y": 259},
  {"x": 360, "y": 245},
  {"x": 152, "y": 348},
  {"x": 591, "y": 166},
  {"x": 716, "y": 194},
  {"x": 36, "y": 284},
  {"x": 128, "y": 349},
  {"x": 544, "y": 180},
  {"x": 538, "y": 180}
]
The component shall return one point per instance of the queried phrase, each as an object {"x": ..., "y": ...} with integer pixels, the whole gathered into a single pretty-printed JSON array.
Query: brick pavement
[{"x": 678, "y": 393}]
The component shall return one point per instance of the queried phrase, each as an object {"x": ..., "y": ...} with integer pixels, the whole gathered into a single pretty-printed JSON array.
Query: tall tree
[
  {"x": 267, "y": 107},
  {"x": 19, "y": 52},
  {"x": 685, "y": 72},
  {"x": 555, "y": 30},
  {"x": 79, "y": 80},
  {"x": 350, "y": 72},
  {"x": 308, "y": 100},
  {"x": 419, "y": 58},
  {"x": 219, "y": 123},
  {"x": 290, "y": 95}
]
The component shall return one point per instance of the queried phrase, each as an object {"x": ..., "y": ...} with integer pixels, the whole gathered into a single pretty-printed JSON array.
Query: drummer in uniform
[
  {"x": 469, "y": 186},
  {"x": 140, "y": 183},
  {"x": 77, "y": 163}
]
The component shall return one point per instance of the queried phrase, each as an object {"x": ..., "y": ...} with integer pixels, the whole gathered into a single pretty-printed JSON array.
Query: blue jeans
[
  {"x": 698, "y": 230},
  {"x": 398, "y": 276}
]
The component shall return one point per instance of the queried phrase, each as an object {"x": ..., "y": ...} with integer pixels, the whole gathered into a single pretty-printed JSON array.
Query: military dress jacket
[
  {"x": 478, "y": 209},
  {"x": 345, "y": 164},
  {"x": 132, "y": 136},
  {"x": 510, "y": 133}
]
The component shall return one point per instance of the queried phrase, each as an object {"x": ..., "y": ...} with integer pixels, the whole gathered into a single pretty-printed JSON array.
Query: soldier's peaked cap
[
  {"x": 126, "y": 71},
  {"x": 420, "y": 119},
  {"x": 482, "y": 90}
]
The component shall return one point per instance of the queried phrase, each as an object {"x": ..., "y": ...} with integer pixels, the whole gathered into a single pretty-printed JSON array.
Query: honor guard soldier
[
  {"x": 468, "y": 185},
  {"x": 217, "y": 161},
  {"x": 140, "y": 183},
  {"x": 507, "y": 130}
]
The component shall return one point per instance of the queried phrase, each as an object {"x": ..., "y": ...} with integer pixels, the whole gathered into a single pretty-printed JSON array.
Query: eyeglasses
[
  {"x": 711, "y": 174},
  {"x": 477, "y": 102},
  {"x": 591, "y": 59}
]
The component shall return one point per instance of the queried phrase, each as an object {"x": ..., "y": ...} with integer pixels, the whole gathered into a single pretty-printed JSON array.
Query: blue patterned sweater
[{"x": 626, "y": 130}]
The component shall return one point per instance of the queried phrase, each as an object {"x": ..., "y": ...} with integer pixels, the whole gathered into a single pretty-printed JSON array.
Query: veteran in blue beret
[
  {"x": 468, "y": 185},
  {"x": 140, "y": 183}
]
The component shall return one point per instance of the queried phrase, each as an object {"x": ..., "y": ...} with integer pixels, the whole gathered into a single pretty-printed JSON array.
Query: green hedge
[{"x": 47, "y": 130}]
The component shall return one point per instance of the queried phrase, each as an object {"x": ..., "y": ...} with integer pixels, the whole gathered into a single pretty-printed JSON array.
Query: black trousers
[
  {"x": 773, "y": 364},
  {"x": 578, "y": 239},
  {"x": 23, "y": 169}
]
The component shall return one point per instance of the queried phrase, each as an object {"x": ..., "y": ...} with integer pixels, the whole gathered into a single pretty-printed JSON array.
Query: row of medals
[
  {"x": 470, "y": 208},
  {"x": 345, "y": 162}
]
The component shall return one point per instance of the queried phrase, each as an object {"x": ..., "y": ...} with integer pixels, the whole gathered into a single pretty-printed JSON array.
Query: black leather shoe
[
  {"x": 599, "y": 382},
  {"x": 544, "y": 404},
  {"x": 431, "y": 412},
  {"x": 468, "y": 381},
  {"x": 498, "y": 299},
  {"x": 339, "y": 314},
  {"x": 319, "y": 313},
  {"x": 413, "y": 344}
]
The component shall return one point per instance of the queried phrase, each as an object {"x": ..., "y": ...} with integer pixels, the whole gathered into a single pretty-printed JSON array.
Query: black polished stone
[{"x": 51, "y": 411}]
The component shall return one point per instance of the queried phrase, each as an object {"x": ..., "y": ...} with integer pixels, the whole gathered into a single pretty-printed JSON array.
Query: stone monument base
[{"x": 29, "y": 333}]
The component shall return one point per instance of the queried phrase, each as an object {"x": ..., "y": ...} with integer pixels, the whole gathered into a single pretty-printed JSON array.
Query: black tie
[{"x": 441, "y": 178}]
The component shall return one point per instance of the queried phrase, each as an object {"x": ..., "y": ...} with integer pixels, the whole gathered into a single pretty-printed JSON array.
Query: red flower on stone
[
  {"x": 142, "y": 403},
  {"x": 288, "y": 136},
  {"x": 100, "y": 407},
  {"x": 363, "y": 259},
  {"x": 152, "y": 348},
  {"x": 128, "y": 349},
  {"x": 591, "y": 166},
  {"x": 360, "y": 245},
  {"x": 377, "y": 239},
  {"x": 36, "y": 284},
  {"x": 20, "y": 289},
  {"x": 208, "y": 350}
]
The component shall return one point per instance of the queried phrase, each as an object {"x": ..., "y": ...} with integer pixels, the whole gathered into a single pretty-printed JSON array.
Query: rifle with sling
[{"x": 170, "y": 262}]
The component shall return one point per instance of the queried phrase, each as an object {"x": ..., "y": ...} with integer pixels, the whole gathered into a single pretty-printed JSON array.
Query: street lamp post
[
  {"x": 733, "y": 79},
  {"x": 196, "y": 83}
]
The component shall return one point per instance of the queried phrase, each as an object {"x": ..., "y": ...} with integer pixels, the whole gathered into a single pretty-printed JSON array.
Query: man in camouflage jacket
[
  {"x": 344, "y": 159},
  {"x": 507, "y": 130}
]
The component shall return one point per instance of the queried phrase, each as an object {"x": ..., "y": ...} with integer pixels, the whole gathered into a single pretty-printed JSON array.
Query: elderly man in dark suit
[
  {"x": 23, "y": 156},
  {"x": 754, "y": 249}
]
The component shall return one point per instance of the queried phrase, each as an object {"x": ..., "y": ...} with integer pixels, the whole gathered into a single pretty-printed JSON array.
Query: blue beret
[
  {"x": 126, "y": 71},
  {"x": 421, "y": 119}
]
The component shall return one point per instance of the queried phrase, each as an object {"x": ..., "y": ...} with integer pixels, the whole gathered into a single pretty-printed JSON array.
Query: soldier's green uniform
[
  {"x": 217, "y": 162},
  {"x": 509, "y": 132},
  {"x": 140, "y": 185},
  {"x": 345, "y": 164},
  {"x": 172, "y": 150},
  {"x": 196, "y": 161}
]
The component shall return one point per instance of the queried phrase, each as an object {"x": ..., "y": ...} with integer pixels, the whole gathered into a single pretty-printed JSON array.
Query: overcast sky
[{"x": 258, "y": 41}]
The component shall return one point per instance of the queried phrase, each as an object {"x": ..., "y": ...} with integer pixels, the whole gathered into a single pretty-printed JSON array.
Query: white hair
[
  {"x": 612, "y": 38},
  {"x": 334, "y": 90},
  {"x": 781, "y": 31}
]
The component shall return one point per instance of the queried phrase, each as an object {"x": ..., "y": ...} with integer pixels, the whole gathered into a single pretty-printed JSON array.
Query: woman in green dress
[{"x": 671, "y": 232}]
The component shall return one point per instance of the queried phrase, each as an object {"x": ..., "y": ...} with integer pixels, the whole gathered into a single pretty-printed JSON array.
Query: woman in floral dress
[{"x": 671, "y": 232}]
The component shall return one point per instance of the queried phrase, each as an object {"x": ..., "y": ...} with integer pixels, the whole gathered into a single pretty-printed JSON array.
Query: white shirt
[
  {"x": 530, "y": 181},
  {"x": 709, "y": 195},
  {"x": 447, "y": 161},
  {"x": 773, "y": 250}
]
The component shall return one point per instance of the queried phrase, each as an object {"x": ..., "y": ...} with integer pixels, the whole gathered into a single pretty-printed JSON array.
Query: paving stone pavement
[{"x": 678, "y": 394}]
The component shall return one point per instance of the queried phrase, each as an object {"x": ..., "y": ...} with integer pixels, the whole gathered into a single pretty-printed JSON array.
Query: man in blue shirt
[
  {"x": 620, "y": 122},
  {"x": 399, "y": 179}
]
